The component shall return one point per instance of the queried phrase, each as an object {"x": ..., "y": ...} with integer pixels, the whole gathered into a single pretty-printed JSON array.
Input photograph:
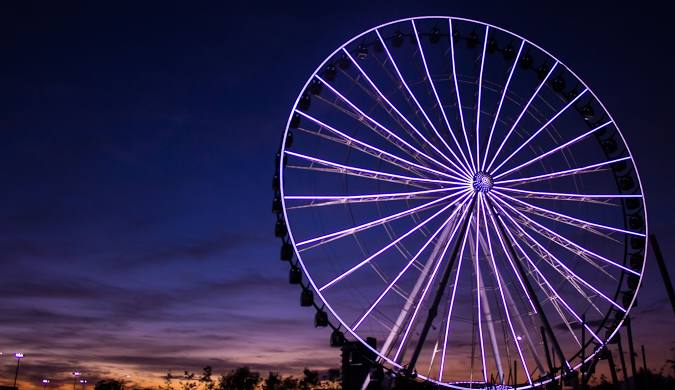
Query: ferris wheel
[{"x": 461, "y": 203}]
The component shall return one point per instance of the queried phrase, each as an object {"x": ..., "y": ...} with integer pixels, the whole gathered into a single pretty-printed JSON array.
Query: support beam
[
  {"x": 631, "y": 348},
  {"x": 612, "y": 369},
  {"x": 622, "y": 359}
]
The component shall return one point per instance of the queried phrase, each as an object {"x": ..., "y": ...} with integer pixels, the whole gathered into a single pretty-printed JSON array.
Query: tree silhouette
[
  {"x": 167, "y": 381},
  {"x": 289, "y": 383},
  {"x": 109, "y": 384},
  {"x": 310, "y": 379},
  {"x": 188, "y": 381},
  {"x": 272, "y": 382},
  {"x": 206, "y": 379},
  {"x": 240, "y": 379}
]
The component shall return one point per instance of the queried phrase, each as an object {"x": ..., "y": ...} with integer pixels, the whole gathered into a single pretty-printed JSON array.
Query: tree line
[{"x": 241, "y": 378}]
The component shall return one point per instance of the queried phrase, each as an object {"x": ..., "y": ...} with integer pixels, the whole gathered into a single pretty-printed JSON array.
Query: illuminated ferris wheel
[{"x": 456, "y": 193}]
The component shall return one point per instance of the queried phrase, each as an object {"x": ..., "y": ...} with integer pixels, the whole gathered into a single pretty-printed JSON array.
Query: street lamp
[
  {"x": 18, "y": 357},
  {"x": 84, "y": 383},
  {"x": 45, "y": 382},
  {"x": 75, "y": 375}
]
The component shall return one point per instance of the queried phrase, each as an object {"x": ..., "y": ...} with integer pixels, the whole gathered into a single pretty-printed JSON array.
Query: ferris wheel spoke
[
  {"x": 554, "y": 150},
  {"x": 406, "y": 333},
  {"x": 459, "y": 100},
  {"x": 378, "y": 222},
  {"x": 341, "y": 171},
  {"x": 542, "y": 128},
  {"x": 412, "y": 169},
  {"x": 511, "y": 263},
  {"x": 451, "y": 304},
  {"x": 580, "y": 223},
  {"x": 460, "y": 169},
  {"x": 397, "y": 142},
  {"x": 357, "y": 80},
  {"x": 478, "y": 287},
  {"x": 389, "y": 133},
  {"x": 480, "y": 88},
  {"x": 546, "y": 282},
  {"x": 501, "y": 294},
  {"x": 568, "y": 196},
  {"x": 421, "y": 110},
  {"x": 568, "y": 272},
  {"x": 499, "y": 107},
  {"x": 534, "y": 247},
  {"x": 440, "y": 106},
  {"x": 329, "y": 200},
  {"x": 554, "y": 175},
  {"x": 522, "y": 112},
  {"x": 386, "y": 247},
  {"x": 561, "y": 240},
  {"x": 505, "y": 235},
  {"x": 374, "y": 151},
  {"x": 411, "y": 262},
  {"x": 377, "y": 175}
]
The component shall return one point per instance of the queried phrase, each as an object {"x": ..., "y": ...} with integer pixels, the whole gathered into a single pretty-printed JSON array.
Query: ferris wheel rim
[{"x": 629, "y": 157}]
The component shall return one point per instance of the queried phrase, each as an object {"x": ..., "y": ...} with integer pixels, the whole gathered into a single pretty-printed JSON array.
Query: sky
[{"x": 136, "y": 154}]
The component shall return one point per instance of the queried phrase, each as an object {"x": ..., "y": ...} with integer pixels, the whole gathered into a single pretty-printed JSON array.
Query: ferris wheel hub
[{"x": 482, "y": 182}]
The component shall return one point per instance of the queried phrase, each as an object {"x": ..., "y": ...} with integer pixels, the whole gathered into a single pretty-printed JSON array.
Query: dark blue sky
[{"x": 137, "y": 149}]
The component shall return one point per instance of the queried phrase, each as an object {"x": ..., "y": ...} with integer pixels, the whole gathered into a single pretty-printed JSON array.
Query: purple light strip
[
  {"x": 521, "y": 115},
  {"x": 369, "y": 171},
  {"x": 366, "y": 145},
  {"x": 566, "y": 144},
  {"x": 390, "y": 104},
  {"x": 424, "y": 293},
  {"x": 581, "y": 221},
  {"x": 562, "y": 194},
  {"x": 499, "y": 107},
  {"x": 392, "y": 195},
  {"x": 569, "y": 271},
  {"x": 567, "y": 172},
  {"x": 410, "y": 263},
  {"x": 459, "y": 100},
  {"x": 371, "y": 257},
  {"x": 501, "y": 293},
  {"x": 513, "y": 266},
  {"x": 480, "y": 325},
  {"x": 452, "y": 303},
  {"x": 579, "y": 247},
  {"x": 480, "y": 89},
  {"x": 540, "y": 130},
  {"x": 376, "y": 123},
  {"x": 515, "y": 242},
  {"x": 440, "y": 105},
  {"x": 381, "y": 221}
]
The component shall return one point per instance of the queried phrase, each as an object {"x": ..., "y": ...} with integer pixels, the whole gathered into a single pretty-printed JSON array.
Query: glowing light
[
  {"x": 367, "y": 260},
  {"x": 438, "y": 100},
  {"x": 459, "y": 100},
  {"x": 558, "y": 148},
  {"x": 499, "y": 108},
  {"x": 499, "y": 149},
  {"x": 482, "y": 182}
]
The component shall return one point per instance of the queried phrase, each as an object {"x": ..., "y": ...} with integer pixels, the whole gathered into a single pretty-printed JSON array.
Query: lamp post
[
  {"x": 84, "y": 383},
  {"x": 45, "y": 382},
  {"x": 75, "y": 375},
  {"x": 18, "y": 357}
]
